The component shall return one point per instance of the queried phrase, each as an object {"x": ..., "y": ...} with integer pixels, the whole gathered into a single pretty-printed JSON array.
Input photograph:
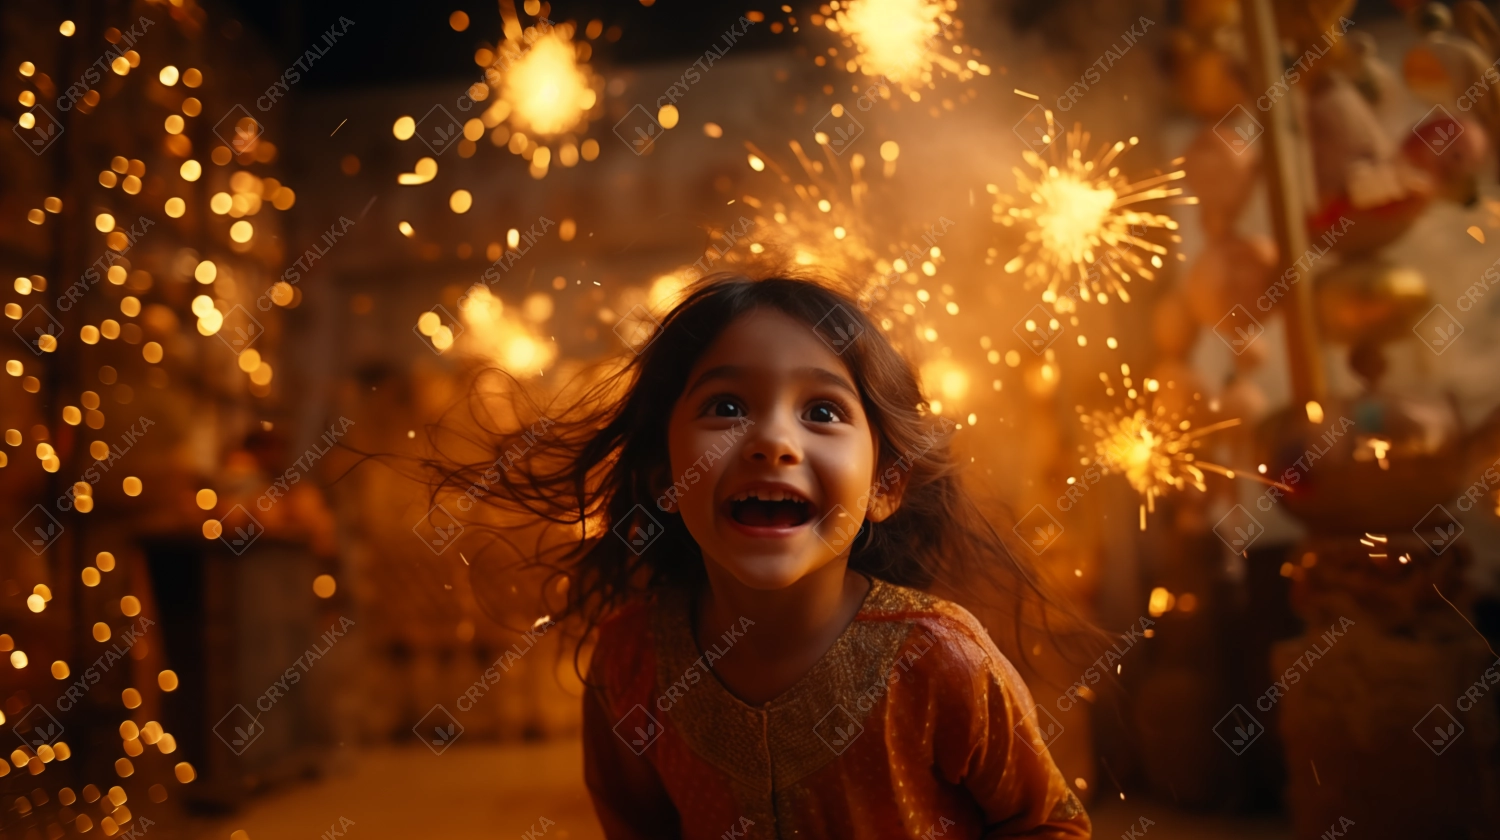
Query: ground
[{"x": 487, "y": 791}]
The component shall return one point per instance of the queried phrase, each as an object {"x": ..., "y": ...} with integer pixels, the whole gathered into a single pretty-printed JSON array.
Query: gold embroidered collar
[{"x": 770, "y": 747}]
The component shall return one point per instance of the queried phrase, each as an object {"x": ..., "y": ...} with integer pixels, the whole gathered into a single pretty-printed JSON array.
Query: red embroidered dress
[{"x": 912, "y": 725}]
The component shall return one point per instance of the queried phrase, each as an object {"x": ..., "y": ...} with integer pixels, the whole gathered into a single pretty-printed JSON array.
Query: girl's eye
[
  {"x": 825, "y": 412},
  {"x": 728, "y": 407}
]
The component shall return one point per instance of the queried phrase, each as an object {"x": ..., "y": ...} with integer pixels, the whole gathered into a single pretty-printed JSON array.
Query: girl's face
[{"x": 772, "y": 456}]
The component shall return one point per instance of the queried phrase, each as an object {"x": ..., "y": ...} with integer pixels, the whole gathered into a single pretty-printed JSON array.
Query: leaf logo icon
[
  {"x": 643, "y": 534},
  {"x": 442, "y": 736},
  {"x": 844, "y": 335},
  {"x": 246, "y": 735},
  {"x": 644, "y": 136},
  {"x": 645, "y": 734},
  {"x": 1044, "y": 534},
  {"x": 1443, "y": 534},
  {"x": 842, "y": 535},
  {"x": 44, "y": 734},
  {"x": 1245, "y": 734},
  {"x": 44, "y": 535}
]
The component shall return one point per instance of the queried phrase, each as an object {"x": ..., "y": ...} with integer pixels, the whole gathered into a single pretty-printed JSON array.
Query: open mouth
[{"x": 778, "y": 509}]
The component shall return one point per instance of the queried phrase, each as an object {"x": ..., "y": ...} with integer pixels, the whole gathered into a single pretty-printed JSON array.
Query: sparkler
[
  {"x": 1085, "y": 239},
  {"x": 498, "y": 335},
  {"x": 905, "y": 42},
  {"x": 1154, "y": 451},
  {"x": 544, "y": 92},
  {"x": 1378, "y": 548},
  {"x": 826, "y": 218}
]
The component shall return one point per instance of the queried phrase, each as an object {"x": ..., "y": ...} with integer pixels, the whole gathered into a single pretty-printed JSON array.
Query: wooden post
[{"x": 1288, "y": 207}]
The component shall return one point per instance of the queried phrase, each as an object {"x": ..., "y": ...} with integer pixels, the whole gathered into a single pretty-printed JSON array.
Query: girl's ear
[{"x": 885, "y": 494}]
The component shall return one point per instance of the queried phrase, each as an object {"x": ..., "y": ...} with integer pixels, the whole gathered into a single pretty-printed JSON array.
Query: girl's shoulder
[{"x": 943, "y": 626}]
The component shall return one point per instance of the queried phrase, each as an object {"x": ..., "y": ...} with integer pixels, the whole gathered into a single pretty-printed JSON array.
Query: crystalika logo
[
  {"x": 438, "y": 729},
  {"x": 1238, "y": 729}
]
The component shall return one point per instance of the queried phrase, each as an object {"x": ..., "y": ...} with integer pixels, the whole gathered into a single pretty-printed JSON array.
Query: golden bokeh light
[
  {"x": 324, "y": 586},
  {"x": 668, "y": 116}
]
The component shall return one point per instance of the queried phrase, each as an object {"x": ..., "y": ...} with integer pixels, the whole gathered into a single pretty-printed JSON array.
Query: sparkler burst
[
  {"x": 502, "y": 336},
  {"x": 825, "y": 217},
  {"x": 544, "y": 92},
  {"x": 1084, "y": 237},
  {"x": 547, "y": 91},
  {"x": 1153, "y": 449},
  {"x": 906, "y": 42}
]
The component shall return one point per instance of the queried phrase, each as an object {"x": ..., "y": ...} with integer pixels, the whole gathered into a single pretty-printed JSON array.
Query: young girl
[{"x": 757, "y": 501}]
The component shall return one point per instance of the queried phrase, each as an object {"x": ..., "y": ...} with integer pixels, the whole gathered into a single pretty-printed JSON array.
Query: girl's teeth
[{"x": 765, "y": 496}]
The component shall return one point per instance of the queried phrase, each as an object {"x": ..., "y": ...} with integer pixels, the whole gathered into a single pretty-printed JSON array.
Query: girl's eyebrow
[{"x": 737, "y": 371}]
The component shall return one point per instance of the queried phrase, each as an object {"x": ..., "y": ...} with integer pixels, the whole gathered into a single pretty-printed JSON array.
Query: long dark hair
[{"x": 592, "y": 464}]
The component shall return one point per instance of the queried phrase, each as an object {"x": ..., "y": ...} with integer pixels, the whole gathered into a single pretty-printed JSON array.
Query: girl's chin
[{"x": 770, "y": 570}]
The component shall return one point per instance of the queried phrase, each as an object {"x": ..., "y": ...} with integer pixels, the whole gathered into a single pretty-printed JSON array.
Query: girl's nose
[{"x": 771, "y": 441}]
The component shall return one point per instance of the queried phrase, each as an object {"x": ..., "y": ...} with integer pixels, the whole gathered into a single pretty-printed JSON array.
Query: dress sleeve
[
  {"x": 1001, "y": 756},
  {"x": 629, "y": 797}
]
